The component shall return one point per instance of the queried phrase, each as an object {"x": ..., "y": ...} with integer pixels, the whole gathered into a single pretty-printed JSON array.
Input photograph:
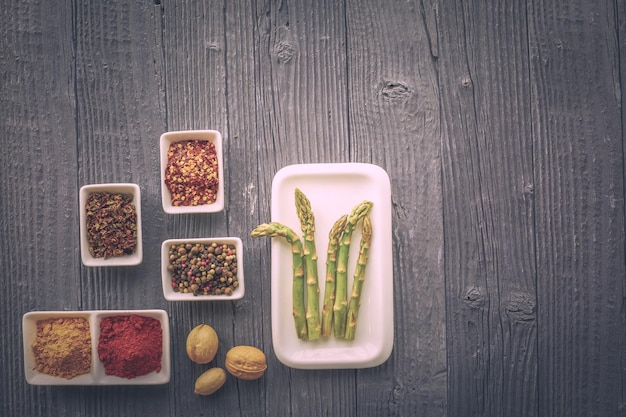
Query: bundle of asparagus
[{"x": 337, "y": 311}]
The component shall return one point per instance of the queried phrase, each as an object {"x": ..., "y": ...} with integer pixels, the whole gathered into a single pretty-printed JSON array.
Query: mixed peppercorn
[
  {"x": 191, "y": 174},
  {"x": 203, "y": 269}
]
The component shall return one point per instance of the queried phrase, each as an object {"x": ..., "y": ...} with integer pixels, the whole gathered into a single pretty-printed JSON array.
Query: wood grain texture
[
  {"x": 301, "y": 118},
  {"x": 194, "y": 70},
  {"x": 500, "y": 124},
  {"x": 578, "y": 153},
  {"x": 250, "y": 115},
  {"x": 621, "y": 94},
  {"x": 39, "y": 147},
  {"x": 38, "y": 244},
  {"x": 488, "y": 210},
  {"x": 394, "y": 111},
  {"x": 120, "y": 115}
]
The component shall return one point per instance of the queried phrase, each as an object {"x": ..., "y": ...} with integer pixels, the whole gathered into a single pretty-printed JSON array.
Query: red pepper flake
[{"x": 191, "y": 174}]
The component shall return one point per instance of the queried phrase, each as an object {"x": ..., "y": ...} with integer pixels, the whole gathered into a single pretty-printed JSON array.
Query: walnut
[{"x": 246, "y": 362}]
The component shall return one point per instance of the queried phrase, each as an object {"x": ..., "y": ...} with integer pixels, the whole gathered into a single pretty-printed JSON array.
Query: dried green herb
[{"x": 111, "y": 225}]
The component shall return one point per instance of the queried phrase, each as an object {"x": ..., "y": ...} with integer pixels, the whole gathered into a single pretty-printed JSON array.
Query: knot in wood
[
  {"x": 473, "y": 297},
  {"x": 213, "y": 47},
  {"x": 395, "y": 91},
  {"x": 466, "y": 81},
  {"x": 284, "y": 52},
  {"x": 521, "y": 307},
  {"x": 529, "y": 189}
]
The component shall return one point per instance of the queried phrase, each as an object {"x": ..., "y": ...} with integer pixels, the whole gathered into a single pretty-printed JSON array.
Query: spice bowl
[
  {"x": 202, "y": 269},
  {"x": 106, "y": 244},
  {"x": 192, "y": 174},
  {"x": 96, "y": 374},
  {"x": 29, "y": 335},
  {"x": 161, "y": 376}
]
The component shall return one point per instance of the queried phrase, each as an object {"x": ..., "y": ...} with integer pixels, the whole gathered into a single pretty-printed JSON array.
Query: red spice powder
[{"x": 130, "y": 346}]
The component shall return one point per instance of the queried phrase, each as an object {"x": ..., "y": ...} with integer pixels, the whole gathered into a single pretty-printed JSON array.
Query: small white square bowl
[
  {"x": 169, "y": 138},
  {"x": 172, "y": 295},
  {"x": 117, "y": 188}
]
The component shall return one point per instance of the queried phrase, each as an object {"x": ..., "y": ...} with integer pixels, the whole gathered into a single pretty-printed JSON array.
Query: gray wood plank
[
  {"x": 621, "y": 36},
  {"x": 38, "y": 198},
  {"x": 120, "y": 114},
  {"x": 488, "y": 209},
  {"x": 297, "y": 87},
  {"x": 395, "y": 123},
  {"x": 194, "y": 69},
  {"x": 249, "y": 204},
  {"x": 579, "y": 190},
  {"x": 119, "y": 120}
]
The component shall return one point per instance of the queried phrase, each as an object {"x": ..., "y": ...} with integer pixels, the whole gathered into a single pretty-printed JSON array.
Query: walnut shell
[
  {"x": 246, "y": 362},
  {"x": 202, "y": 343},
  {"x": 210, "y": 381}
]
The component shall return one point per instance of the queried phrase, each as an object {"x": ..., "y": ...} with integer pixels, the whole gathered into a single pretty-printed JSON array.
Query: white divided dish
[
  {"x": 97, "y": 376},
  {"x": 334, "y": 190}
]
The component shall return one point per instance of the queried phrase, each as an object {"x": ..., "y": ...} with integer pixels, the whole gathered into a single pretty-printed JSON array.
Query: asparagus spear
[
  {"x": 359, "y": 278},
  {"x": 331, "y": 270},
  {"x": 340, "y": 308},
  {"x": 307, "y": 222},
  {"x": 274, "y": 229}
]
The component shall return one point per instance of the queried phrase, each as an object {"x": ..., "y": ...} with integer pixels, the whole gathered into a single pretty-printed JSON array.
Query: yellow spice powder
[{"x": 63, "y": 347}]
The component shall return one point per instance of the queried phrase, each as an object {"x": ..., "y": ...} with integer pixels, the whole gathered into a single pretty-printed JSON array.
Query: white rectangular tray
[{"x": 333, "y": 190}]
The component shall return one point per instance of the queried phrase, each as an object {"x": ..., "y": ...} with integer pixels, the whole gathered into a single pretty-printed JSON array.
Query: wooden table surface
[{"x": 500, "y": 125}]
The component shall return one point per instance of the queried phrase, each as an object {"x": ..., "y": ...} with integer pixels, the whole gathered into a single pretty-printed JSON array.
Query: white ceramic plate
[
  {"x": 334, "y": 190},
  {"x": 122, "y": 188},
  {"x": 97, "y": 375},
  {"x": 166, "y": 276}
]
